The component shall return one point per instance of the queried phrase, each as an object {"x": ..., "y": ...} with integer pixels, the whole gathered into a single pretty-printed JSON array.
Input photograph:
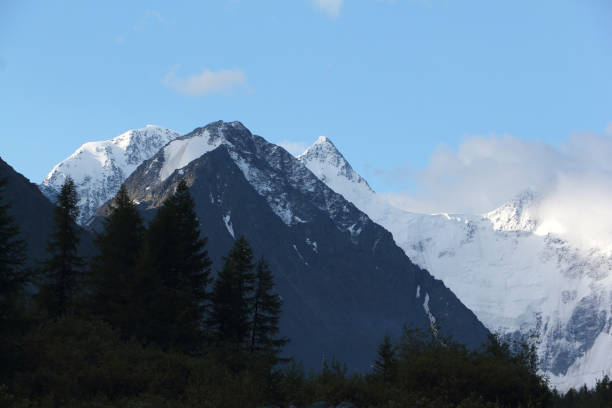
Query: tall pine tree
[
  {"x": 13, "y": 275},
  {"x": 13, "y": 278},
  {"x": 174, "y": 271},
  {"x": 62, "y": 269},
  {"x": 112, "y": 270},
  {"x": 230, "y": 317},
  {"x": 265, "y": 316}
]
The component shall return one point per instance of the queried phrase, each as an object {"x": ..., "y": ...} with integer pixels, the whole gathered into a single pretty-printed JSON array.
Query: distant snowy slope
[
  {"x": 99, "y": 168},
  {"x": 515, "y": 267}
]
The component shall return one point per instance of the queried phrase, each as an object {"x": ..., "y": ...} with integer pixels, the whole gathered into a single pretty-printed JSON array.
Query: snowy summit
[
  {"x": 517, "y": 268},
  {"x": 99, "y": 168}
]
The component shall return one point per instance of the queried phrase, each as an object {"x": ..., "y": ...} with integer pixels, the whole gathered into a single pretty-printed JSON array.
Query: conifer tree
[
  {"x": 13, "y": 275},
  {"x": 230, "y": 318},
  {"x": 266, "y": 310},
  {"x": 119, "y": 245},
  {"x": 194, "y": 263},
  {"x": 174, "y": 271},
  {"x": 13, "y": 278},
  {"x": 61, "y": 269},
  {"x": 385, "y": 366}
]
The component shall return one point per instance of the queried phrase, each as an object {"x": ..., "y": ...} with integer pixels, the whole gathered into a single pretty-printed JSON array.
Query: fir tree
[
  {"x": 230, "y": 318},
  {"x": 13, "y": 278},
  {"x": 112, "y": 269},
  {"x": 61, "y": 270},
  {"x": 13, "y": 275},
  {"x": 385, "y": 366},
  {"x": 193, "y": 261},
  {"x": 174, "y": 270},
  {"x": 266, "y": 310}
]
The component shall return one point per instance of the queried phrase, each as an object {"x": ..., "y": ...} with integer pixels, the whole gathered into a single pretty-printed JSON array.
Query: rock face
[
  {"x": 99, "y": 168},
  {"x": 512, "y": 266},
  {"x": 343, "y": 280}
]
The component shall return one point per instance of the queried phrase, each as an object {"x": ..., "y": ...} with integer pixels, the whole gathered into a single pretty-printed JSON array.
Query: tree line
[
  {"x": 144, "y": 324},
  {"x": 153, "y": 283}
]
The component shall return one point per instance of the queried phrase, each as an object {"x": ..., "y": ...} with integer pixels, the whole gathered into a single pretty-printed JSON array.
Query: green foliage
[
  {"x": 13, "y": 275},
  {"x": 429, "y": 372},
  {"x": 231, "y": 299},
  {"x": 245, "y": 314},
  {"x": 112, "y": 270},
  {"x": 74, "y": 362},
  {"x": 599, "y": 396},
  {"x": 62, "y": 270},
  {"x": 70, "y": 358},
  {"x": 385, "y": 366},
  {"x": 13, "y": 278},
  {"x": 265, "y": 314},
  {"x": 8, "y": 400},
  {"x": 172, "y": 274},
  {"x": 447, "y": 370},
  {"x": 142, "y": 343}
]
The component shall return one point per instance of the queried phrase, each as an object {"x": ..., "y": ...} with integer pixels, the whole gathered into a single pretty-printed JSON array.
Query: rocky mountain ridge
[
  {"x": 344, "y": 282},
  {"x": 510, "y": 266}
]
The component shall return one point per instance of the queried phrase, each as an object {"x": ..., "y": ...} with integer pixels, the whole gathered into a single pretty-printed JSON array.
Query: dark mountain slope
[
  {"x": 33, "y": 213},
  {"x": 344, "y": 282}
]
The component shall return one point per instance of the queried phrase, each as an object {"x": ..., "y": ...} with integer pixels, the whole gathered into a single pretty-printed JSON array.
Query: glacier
[{"x": 517, "y": 268}]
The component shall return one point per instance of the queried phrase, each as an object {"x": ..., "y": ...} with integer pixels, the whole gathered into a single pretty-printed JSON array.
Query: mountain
[
  {"x": 343, "y": 280},
  {"x": 512, "y": 266},
  {"x": 99, "y": 168},
  {"x": 33, "y": 213}
]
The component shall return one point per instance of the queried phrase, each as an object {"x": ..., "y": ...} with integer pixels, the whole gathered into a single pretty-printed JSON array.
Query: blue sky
[{"x": 390, "y": 82}]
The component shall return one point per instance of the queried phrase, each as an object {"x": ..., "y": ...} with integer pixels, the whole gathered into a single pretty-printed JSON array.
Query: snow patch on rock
[
  {"x": 228, "y": 224},
  {"x": 430, "y": 316},
  {"x": 179, "y": 153}
]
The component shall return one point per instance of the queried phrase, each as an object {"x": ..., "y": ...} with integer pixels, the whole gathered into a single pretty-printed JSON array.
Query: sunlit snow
[
  {"x": 99, "y": 168},
  {"x": 518, "y": 267}
]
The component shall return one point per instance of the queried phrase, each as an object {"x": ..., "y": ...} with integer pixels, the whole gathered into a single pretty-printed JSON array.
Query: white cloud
[
  {"x": 485, "y": 172},
  {"x": 481, "y": 175},
  {"x": 573, "y": 181},
  {"x": 295, "y": 148},
  {"x": 207, "y": 82},
  {"x": 329, "y": 7}
]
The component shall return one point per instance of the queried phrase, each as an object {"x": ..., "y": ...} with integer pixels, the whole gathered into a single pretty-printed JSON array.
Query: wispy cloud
[
  {"x": 295, "y": 148},
  {"x": 486, "y": 171},
  {"x": 150, "y": 17},
  {"x": 573, "y": 181},
  {"x": 206, "y": 82},
  {"x": 330, "y": 7}
]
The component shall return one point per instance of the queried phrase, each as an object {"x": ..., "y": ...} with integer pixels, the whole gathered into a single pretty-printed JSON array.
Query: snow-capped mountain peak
[
  {"x": 183, "y": 150},
  {"x": 330, "y": 259},
  {"x": 330, "y": 166},
  {"x": 520, "y": 214},
  {"x": 261, "y": 163},
  {"x": 99, "y": 168},
  {"x": 519, "y": 267}
]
